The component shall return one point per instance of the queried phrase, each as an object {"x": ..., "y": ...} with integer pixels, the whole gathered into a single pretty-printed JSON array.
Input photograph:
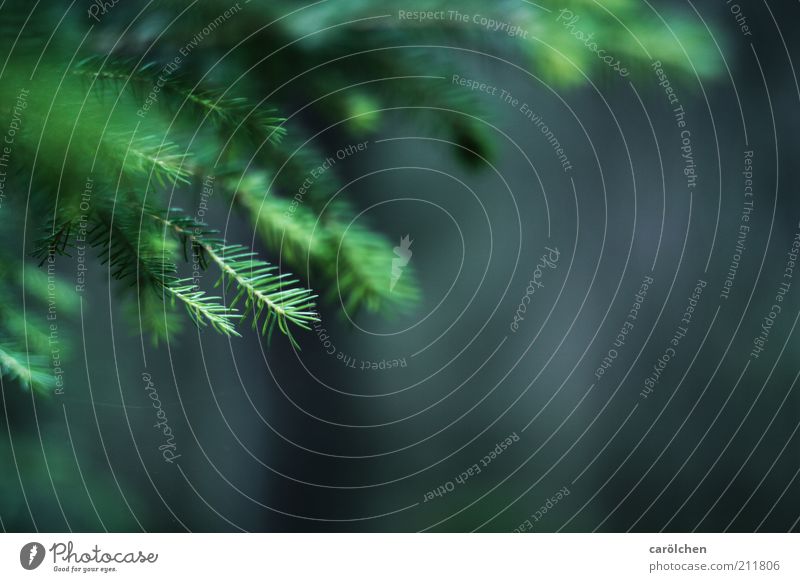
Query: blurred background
[{"x": 535, "y": 357}]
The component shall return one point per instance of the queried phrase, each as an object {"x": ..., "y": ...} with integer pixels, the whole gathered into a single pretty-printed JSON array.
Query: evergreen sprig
[
  {"x": 204, "y": 309},
  {"x": 131, "y": 256},
  {"x": 234, "y": 113},
  {"x": 356, "y": 259},
  {"x": 359, "y": 71},
  {"x": 270, "y": 298}
]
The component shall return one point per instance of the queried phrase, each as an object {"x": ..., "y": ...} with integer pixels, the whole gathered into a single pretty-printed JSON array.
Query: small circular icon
[{"x": 31, "y": 555}]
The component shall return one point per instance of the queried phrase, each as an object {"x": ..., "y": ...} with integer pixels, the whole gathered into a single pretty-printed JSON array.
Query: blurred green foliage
[{"x": 147, "y": 103}]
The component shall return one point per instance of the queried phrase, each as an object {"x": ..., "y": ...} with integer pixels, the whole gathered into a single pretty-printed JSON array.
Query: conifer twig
[{"x": 270, "y": 298}]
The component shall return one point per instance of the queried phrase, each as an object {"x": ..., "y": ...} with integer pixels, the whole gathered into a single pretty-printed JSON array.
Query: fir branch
[
  {"x": 233, "y": 113},
  {"x": 270, "y": 297},
  {"x": 129, "y": 256},
  {"x": 202, "y": 308},
  {"x": 356, "y": 260}
]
